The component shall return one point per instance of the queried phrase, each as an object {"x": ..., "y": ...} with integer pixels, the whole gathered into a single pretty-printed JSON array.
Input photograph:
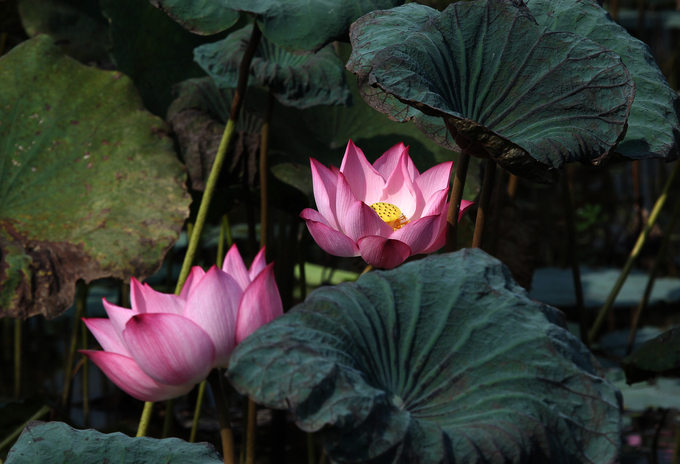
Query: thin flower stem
[
  {"x": 455, "y": 200},
  {"x": 368, "y": 268},
  {"x": 236, "y": 104},
  {"x": 12, "y": 436},
  {"x": 17, "y": 358},
  {"x": 214, "y": 379},
  {"x": 311, "y": 449},
  {"x": 264, "y": 169},
  {"x": 484, "y": 202},
  {"x": 642, "y": 239},
  {"x": 252, "y": 433},
  {"x": 197, "y": 412},
  {"x": 582, "y": 316},
  {"x": 167, "y": 420},
  {"x": 512, "y": 186},
  {"x": 86, "y": 370},
  {"x": 661, "y": 255},
  {"x": 81, "y": 300}
]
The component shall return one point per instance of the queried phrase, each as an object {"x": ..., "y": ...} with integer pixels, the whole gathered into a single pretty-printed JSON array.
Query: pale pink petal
[
  {"x": 156, "y": 302},
  {"x": 213, "y": 305},
  {"x": 324, "y": 182},
  {"x": 170, "y": 349},
  {"x": 399, "y": 189},
  {"x": 366, "y": 183},
  {"x": 260, "y": 304},
  {"x": 193, "y": 279},
  {"x": 389, "y": 160},
  {"x": 106, "y": 335},
  {"x": 420, "y": 234},
  {"x": 433, "y": 180},
  {"x": 344, "y": 199},
  {"x": 361, "y": 220},
  {"x": 126, "y": 374},
  {"x": 436, "y": 204},
  {"x": 118, "y": 316},
  {"x": 234, "y": 266},
  {"x": 382, "y": 252},
  {"x": 330, "y": 240},
  {"x": 258, "y": 264},
  {"x": 464, "y": 206}
]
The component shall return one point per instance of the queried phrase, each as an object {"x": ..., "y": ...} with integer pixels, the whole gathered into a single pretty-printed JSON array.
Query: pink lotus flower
[
  {"x": 166, "y": 344},
  {"x": 385, "y": 212}
]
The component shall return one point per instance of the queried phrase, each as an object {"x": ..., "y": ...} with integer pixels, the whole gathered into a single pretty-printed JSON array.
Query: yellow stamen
[{"x": 390, "y": 214}]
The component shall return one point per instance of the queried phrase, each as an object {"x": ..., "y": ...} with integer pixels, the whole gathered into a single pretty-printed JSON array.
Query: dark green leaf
[
  {"x": 57, "y": 443},
  {"x": 654, "y": 122},
  {"x": 445, "y": 359},
  {"x": 204, "y": 17},
  {"x": 301, "y": 81},
  {"x": 505, "y": 87},
  {"x": 89, "y": 182},
  {"x": 657, "y": 357}
]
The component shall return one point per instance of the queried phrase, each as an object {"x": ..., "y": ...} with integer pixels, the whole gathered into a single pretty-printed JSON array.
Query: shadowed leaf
[{"x": 657, "y": 357}]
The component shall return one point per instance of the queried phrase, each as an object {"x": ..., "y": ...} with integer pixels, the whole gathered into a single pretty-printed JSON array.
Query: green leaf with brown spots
[{"x": 89, "y": 182}]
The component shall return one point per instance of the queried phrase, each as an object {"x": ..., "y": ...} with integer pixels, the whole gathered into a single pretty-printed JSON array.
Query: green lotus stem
[
  {"x": 17, "y": 358},
  {"x": 652, "y": 276},
  {"x": 12, "y": 436},
  {"x": 145, "y": 419},
  {"x": 86, "y": 369},
  {"x": 573, "y": 258},
  {"x": 368, "y": 268},
  {"x": 167, "y": 420},
  {"x": 642, "y": 239},
  {"x": 244, "y": 427},
  {"x": 311, "y": 449},
  {"x": 484, "y": 202},
  {"x": 250, "y": 442},
  {"x": 455, "y": 200},
  {"x": 197, "y": 412},
  {"x": 215, "y": 381},
  {"x": 81, "y": 300},
  {"x": 264, "y": 169}
]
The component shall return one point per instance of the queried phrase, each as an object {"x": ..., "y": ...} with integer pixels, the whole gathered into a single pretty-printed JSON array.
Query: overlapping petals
[
  {"x": 166, "y": 344},
  {"x": 347, "y": 225}
]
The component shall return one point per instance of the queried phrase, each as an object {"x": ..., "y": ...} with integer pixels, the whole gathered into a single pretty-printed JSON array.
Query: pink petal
[
  {"x": 118, "y": 317},
  {"x": 260, "y": 304},
  {"x": 145, "y": 299},
  {"x": 234, "y": 266},
  {"x": 433, "y": 180},
  {"x": 258, "y": 264},
  {"x": 137, "y": 296},
  {"x": 464, "y": 206},
  {"x": 193, "y": 279},
  {"x": 421, "y": 233},
  {"x": 366, "y": 183},
  {"x": 170, "y": 349},
  {"x": 400, "y": 190},
  {"x": 213, "y": 305},
  {"x": 344, "y": 199},
  {"x": 127, "y": 375},
  {"x": 389, "y": 160},
  {"x": 436, "y": 204},
  {"x": 325, "y": 185},
  {"x": 383, "y": 252},
  {"x": 106, "y": 335},
  {"x": 439, "y": 242},
  {"x": 330, "y": 240},
  {"x": 361, "y": 220}
]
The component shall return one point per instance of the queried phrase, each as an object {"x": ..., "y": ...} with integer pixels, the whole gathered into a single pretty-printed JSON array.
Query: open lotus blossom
[
  {"x": 166, "y": 344},
  {"x": 384, "y": 212}
]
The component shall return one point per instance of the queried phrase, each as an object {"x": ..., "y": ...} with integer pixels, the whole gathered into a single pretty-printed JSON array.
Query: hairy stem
[
  {"x": 484, "y": 202},
  {"x": 215, "y": 381},
  {"x": 455, "y": 200}
]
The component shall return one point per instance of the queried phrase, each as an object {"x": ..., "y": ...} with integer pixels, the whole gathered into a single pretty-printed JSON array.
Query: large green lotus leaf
[
  {"x": 445, "y": 359},
  {"x": 295, "y": 25},
  {"x": 301, "y": 81},
  {"x": 506, "y": 88},
  {"x": 654, "y": 122},
  {"x": 89, "y": 182},
  {"x": 57, "y": 443},
  {"x": 152, "y": 49},
  {"x": 81, "y": 33},
  {"x": 657, "y": 357}
]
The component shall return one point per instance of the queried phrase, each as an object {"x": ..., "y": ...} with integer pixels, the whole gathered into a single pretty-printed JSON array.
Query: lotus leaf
[
  {"x": 89, "y": 182},
  {"x": 505, "y": 87},
  {"x": 445, "y": 359},
  {"x": 656, "y": 357}
]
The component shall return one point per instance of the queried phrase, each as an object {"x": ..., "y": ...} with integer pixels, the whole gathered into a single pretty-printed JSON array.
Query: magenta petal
[
  {"x": 399, "y": 189},
  {"x": 118, "y": 317},
  {"x": 234, "y": 266},
  {"x": 260, "y": 304},
  {"x": 344, "y": 200},
  {"x": 361, "y": 220},
  {"x": 421, "y": 233},
  {"x": 127, "y": 375},
  {"x": 434, "y": 179},
  {"x": 464, "y": 206},
  {"x": 137, "y": 300},
  {"x": 366, "y": 183},
  {"x": 389, "y": 160},
  {"x": 324, "y": 182},
  {"x": 193, "y": 279},
  {"x": 436, "y": 204},
  {"x": 258, "y": 264},
  {"x": 383, "y": 252},
  {"x": 170, "y": 349},
  {"x": 213, "y": 305},
  {"x": 106, "y": 335},
  {"x": 331, "y": 241}
]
